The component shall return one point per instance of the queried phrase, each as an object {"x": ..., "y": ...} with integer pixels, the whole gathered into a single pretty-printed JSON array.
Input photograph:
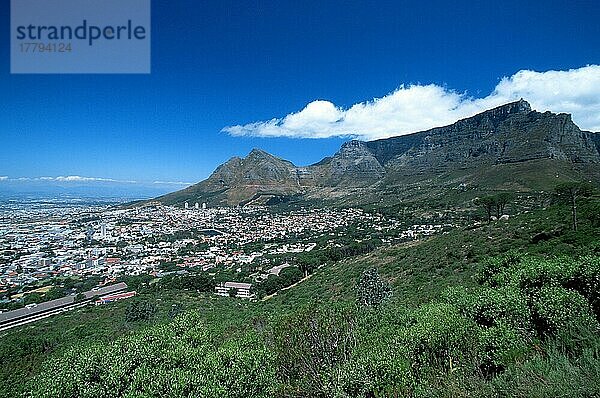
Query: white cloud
[
  {"x": 77, "y": 179},
  {"x": 83, "y": 179},
  {"x": 68, "y": 179},
  {"x": 80, "y": 179},
  {"x": 420, "y": 107}
]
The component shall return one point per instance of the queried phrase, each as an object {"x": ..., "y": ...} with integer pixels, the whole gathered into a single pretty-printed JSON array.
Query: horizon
[{"x": 226, "y": 88}]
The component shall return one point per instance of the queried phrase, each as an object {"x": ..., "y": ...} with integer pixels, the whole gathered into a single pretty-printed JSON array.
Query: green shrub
[
  {"x": 379, "y": 369},
  {"x": 556, "y": 310},
  {"x": 240, "y": 368},
  {"x": 310, "y": 344},
  {"x": 500, "y": 346},
  {"x": 489, "y": 306},
  {"x": 532, "y": 273},
  {"x": 381, "y": 365},
  {"x": 440, "y": 337},
  {"x": 174, "y": 360},
  {"x": 372, "y": 290},
  {"x": 496, "y": 265},
  {"x": 140, "y": 311},
  {"x": 553, "y": 374}
]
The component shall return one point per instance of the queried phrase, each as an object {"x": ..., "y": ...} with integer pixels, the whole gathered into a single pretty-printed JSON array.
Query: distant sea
[{"x": 72, "y": 192}]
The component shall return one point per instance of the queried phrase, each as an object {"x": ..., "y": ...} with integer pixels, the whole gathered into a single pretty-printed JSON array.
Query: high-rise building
[
  {"x": 203, "y": 206},
  {"x": 103, "y": 230},
  {"x": 197, "y": 205},
  {"x": 186, "y": 205},
  {"x": 89, "y": 235}
]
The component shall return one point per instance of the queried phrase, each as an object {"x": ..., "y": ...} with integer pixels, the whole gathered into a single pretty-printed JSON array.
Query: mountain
[
  {"x": 239, "y": 180},
  {"x": 508, "y": 147}
]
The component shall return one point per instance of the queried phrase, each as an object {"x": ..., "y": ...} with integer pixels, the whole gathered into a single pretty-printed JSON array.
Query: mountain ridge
[{"x": 512, "y": 133}]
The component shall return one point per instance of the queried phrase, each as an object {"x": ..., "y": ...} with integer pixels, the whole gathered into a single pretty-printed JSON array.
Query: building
[
  {"x": 45, "y": 262},
  {"x": 242, "y": 290},
  {"x": 114, "y": 297},
  {"x": 186, "y": 205},
  {"x": 89, "y": 235}
]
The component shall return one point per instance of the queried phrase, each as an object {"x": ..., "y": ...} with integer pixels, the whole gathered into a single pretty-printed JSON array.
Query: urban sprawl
[{"x": 48, "y": 241}]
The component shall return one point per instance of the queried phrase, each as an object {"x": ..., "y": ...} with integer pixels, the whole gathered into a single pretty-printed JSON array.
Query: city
[{"x": 43, "y": 245}]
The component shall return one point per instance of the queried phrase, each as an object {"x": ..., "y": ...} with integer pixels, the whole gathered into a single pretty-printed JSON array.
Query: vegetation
[
  {"x": 287, "y": 277},
  {"x": 525, "y": 310},
  {"x": 494, "y": 205},
  {"x": 509, "y": 309},
  {"x": 372, "y": 290},
  {"x": 140, "y": 311},
  {"x": 570, "y": 192}
]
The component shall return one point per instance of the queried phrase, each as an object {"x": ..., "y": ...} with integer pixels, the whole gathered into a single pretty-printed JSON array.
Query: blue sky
[{"x": 217, "y": 64}]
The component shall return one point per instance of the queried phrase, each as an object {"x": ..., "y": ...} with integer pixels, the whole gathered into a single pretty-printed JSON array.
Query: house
[{"x": 242, "y": 290}]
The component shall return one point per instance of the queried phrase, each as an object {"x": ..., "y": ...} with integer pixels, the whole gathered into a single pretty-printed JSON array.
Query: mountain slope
[
  {"x": 495, "y": 145},
  {"x": 238, "y": 180}
]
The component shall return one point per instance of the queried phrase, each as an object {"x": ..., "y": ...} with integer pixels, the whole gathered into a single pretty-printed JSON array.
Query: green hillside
[{"x": 506, "y": 309}]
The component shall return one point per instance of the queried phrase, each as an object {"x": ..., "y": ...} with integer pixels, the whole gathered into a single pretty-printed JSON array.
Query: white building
[{"x": 242, "y": 290}]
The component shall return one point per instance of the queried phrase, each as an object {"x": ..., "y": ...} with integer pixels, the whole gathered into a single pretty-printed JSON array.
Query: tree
[
  {"x": 307, "y": 263},
  {"x": 272, "y": 284},
  {"x": 501, "y": 200},
  {"x": 571, "y": 191},
  {"x": 199, "y": 282},
  {"x": 54, "y": 293},
  {"x": 290, "y": 275},
  {"x": 372, "y": 290},
  {"x": 33, "y": 298},
  {"x": 488, "y": 203}
]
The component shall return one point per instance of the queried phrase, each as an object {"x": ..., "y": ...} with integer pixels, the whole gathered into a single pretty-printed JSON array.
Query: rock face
[
  {"x": 509, "y": 134},
  {"x": 353, "y": 164}
]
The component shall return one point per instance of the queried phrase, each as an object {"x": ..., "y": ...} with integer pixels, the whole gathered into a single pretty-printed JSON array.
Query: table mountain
[{"x": 507, "y": 141}]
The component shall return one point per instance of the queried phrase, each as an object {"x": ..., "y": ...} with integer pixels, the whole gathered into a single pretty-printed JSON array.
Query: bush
[
  {"x": 241, "y": 369},
  {"x": 371, "y": 289},
  {"x": 554, "y": 374},
  {"x": 310, "y": 344},
  {"x": 488, "y": 306},
  {"x": 441, "y": 337},
  {"x": 175, "y": 360},
  {"x": 140, "y": 311},
  {"x": 379, "y": 369},
  {"x": 496, "y": 265},
  {"x": 381, "y": 365},
  {"x": 501, "y": 346},
  {"x": 558, "y": 310}
]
